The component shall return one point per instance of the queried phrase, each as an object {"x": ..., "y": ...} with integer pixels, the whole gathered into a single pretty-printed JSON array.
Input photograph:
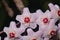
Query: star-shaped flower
[
  {"x": 32, "y": 35},
  {"x": 13, "y": 32},
  {"x": 27, "y": 19},
  {"x": 44, "y": 19},
  {"x": 55, "y": 11},
  {"x": 50, "y": 30}
]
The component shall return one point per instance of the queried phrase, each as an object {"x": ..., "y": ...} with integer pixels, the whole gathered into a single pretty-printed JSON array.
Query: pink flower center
[
  {"x": 12, "y": 35},
  {"x": 26, "y": 19},
  {"x": 58, "y": 12},
  {"x": 45, "y": 20}
]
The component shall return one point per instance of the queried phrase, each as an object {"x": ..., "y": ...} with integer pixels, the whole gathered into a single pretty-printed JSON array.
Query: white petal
[
  {"x": 25, "y": 38},
  {"x": 38, "y": 21},
  {"x": 33, "y": 17},
  {"x": 38, "y": 33},
  {"x": 39, "y": 13},
  {"x": 26, "y": 15},
  {"x": 47, "y": 11},
  {"x": 30, "y": 32},
  {"x": 19, "y": 18},
  {"x": 33, "y": 25},
  {"x": 12, "y": 24},
  {"x": 51, "y": 6},
  {"x": 22, "y": 29},
  {"x": 52, "y": 22},
  {"x": 6, "y": 30},
  {"x": 25, "y": 10},
  {"x": 25, "y": 25},
  {"x": 47, "y": 14},
  {"x": 56, "y": 6}
]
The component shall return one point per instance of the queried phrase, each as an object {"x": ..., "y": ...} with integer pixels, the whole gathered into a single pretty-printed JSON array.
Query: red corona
[
  {"x": 12, "y": 35},
  {"x": 52, "y": 32},
  {"x": 26, "y": 19},
  {"x": 58, "y": 12},
  {"x": 45, "y": 20},
  {"x": 33, "y": 39}
]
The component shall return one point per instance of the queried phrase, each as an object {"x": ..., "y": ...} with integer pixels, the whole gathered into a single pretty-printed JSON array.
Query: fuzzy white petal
[{"x": 30, "y": 32}]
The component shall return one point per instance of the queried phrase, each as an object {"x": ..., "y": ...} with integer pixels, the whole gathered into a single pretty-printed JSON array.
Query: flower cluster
[{"x": 45, "y": 20}]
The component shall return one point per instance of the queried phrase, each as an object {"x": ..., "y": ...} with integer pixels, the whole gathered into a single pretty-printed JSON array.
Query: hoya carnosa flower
[
  {"x": 32, "y": 35},
  {"x": 55, "y": 11},
  {"x": 43, "y": 19},
  {"x": 50, "y": 30},
  {"x": 12, "y": 31},
  {"x": 27, "y": 19}
]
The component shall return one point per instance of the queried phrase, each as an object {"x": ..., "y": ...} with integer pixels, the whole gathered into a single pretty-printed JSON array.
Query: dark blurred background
[{"x": 32, "y": 4}]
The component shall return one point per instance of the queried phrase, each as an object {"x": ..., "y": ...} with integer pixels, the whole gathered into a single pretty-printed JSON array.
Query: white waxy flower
[
  {"x": 12, "y": 31},
  {"x": 43, "y": 19},
  {"x": 27, "y": 19},
  {"x": 50, "y": 30},
  {"x": 55, "y": 11},
  {"x": 32, "y": 35}
]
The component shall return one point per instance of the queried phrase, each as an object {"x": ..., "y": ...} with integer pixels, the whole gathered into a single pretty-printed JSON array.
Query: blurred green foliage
[
  {"x": 32, "y": 4},
  {"x": 2, "y": 15}
]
